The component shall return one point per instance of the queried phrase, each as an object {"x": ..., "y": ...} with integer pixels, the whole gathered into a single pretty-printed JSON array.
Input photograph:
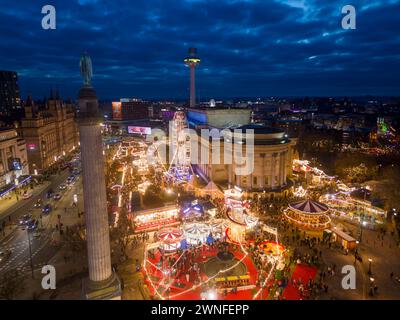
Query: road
[{"x": 44, "y": 244}]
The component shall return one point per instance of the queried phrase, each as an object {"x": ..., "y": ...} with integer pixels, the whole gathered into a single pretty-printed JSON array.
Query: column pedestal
[{"x": 109, "y": 289}]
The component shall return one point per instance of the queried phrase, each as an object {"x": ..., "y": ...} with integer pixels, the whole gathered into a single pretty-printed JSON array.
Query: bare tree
[
  {"x": 121, "y": 233},
  {"x": 11, "y": 285}
]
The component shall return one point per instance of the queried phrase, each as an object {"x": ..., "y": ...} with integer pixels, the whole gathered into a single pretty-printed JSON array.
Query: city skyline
[{"x": 249, "y": 49}]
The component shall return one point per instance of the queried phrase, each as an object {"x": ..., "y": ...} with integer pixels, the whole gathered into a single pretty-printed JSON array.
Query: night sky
[{"x": 248, "y": 48}]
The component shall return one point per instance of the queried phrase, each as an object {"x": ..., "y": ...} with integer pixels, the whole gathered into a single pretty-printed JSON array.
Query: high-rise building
[{"x": 10, "y": 101}]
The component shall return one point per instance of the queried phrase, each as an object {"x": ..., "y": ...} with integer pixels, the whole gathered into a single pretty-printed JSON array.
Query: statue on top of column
[{"x": 86, "y": 69}]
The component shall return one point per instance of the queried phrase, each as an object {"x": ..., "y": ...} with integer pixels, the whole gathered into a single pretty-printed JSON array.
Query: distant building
[
  {"x": 219, "y": 117},
  {"x": 13, "y": 157},
  {"x": 10, "y": 101},
  {"x": 130, "y": 109},
  {"x": 50, "y": 133}
]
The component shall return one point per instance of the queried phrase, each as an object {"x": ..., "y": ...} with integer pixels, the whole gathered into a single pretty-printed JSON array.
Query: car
[
  {"x": 32, "y": 225},
  {"x": 25, "y": 219},
  {"x": 62, "y": 186},
  {"x": 57, "y": 196},
  {"x": 4, "y": 255},
  {"x": 46, "y": 209},
  {"x": 49, "y": 194},
  {"x": 38, "y": 203},
  {"x": 26, "y": 195}
]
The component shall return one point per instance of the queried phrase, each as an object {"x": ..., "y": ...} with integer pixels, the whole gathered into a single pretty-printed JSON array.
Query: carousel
[
  {"x": 308, "y": 215},
  {"x": 170, "y": 239},
  {"x": 218, "y": 228},
  {"x": 197, "y": 233},
  {"x": 239, "y": 221}
]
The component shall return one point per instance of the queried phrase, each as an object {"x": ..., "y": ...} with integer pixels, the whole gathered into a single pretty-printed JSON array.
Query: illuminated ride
[
  {"x": 308, "y": 215},
  {"x": 239, "y": 221},
  {"x": 222, "y": 269},
  {"x": 218, "y": 228},
  {"x": 180, "y": 168},
  {"x": 170, "y": 239},
  {"x": 196, "y": 233},
  {"x": 271, "y": 248}
]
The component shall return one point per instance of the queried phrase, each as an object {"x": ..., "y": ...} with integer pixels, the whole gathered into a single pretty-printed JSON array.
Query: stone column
[
  {"x": 101, "y": 275},
  {"x": 95, "y": 202}
]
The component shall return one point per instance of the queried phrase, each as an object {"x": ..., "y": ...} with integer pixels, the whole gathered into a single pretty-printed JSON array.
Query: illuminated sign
[
  {"x": 116, "y": 110},
  {"x": 139, "y": 130},
  {"x": 31, "y": 146}
]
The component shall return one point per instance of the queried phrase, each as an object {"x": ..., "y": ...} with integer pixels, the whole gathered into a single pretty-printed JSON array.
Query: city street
[{"x": 45, "y": 240}]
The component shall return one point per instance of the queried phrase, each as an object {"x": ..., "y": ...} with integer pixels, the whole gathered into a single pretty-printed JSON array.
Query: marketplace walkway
[{"x": 301, "y": 273}]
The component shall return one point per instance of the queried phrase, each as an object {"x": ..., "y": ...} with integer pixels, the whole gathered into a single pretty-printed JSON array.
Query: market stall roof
[{"x": 309, "y": 206}]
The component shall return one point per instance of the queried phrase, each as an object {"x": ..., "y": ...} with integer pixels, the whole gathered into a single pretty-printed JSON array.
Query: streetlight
[{"x": 369, "y": 266}]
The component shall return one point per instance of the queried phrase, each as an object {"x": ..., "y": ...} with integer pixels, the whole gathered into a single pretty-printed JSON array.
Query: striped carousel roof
[
  {"x": 170, "y": 235},
  {"x": 309, "y": 206}
]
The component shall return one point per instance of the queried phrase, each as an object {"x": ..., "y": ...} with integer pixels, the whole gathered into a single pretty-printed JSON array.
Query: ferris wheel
[{"x": 180, "y": 165}]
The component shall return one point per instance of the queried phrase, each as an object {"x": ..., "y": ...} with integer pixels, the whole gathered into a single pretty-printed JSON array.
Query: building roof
[
  {"x": 309, "y": 206},
  {"x": 259, "y": 129}
]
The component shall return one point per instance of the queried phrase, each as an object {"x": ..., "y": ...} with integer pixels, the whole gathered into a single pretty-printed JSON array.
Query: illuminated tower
[{"x": 192, "y": 62}]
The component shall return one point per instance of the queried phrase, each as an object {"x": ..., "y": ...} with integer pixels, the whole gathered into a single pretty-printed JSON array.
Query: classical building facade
[
  {"x": 264, "y": 167},
  {"x": 49, "y": 133},
  {"x": 13, "y": 157}
]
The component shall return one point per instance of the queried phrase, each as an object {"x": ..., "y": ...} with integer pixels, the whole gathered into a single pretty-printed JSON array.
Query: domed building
[
  {"x": 308, "y": 215},
  {"x": 253, "y": 157},
  {"x": 272, "y": 162}
]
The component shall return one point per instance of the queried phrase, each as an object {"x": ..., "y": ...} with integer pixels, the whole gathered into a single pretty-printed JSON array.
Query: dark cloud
[{"x": 249, "y": 48}]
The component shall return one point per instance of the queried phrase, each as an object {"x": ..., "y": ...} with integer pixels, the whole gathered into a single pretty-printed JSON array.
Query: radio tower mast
[{"x": 192, "y": 61}]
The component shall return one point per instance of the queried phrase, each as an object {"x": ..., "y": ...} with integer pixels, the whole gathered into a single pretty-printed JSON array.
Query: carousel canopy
[
  {"x": 218, "y": 224},
  {"x": 309, "y": 206},
  {"x": 170, "y": 235},
  {"x": 197, "y": 229}
]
